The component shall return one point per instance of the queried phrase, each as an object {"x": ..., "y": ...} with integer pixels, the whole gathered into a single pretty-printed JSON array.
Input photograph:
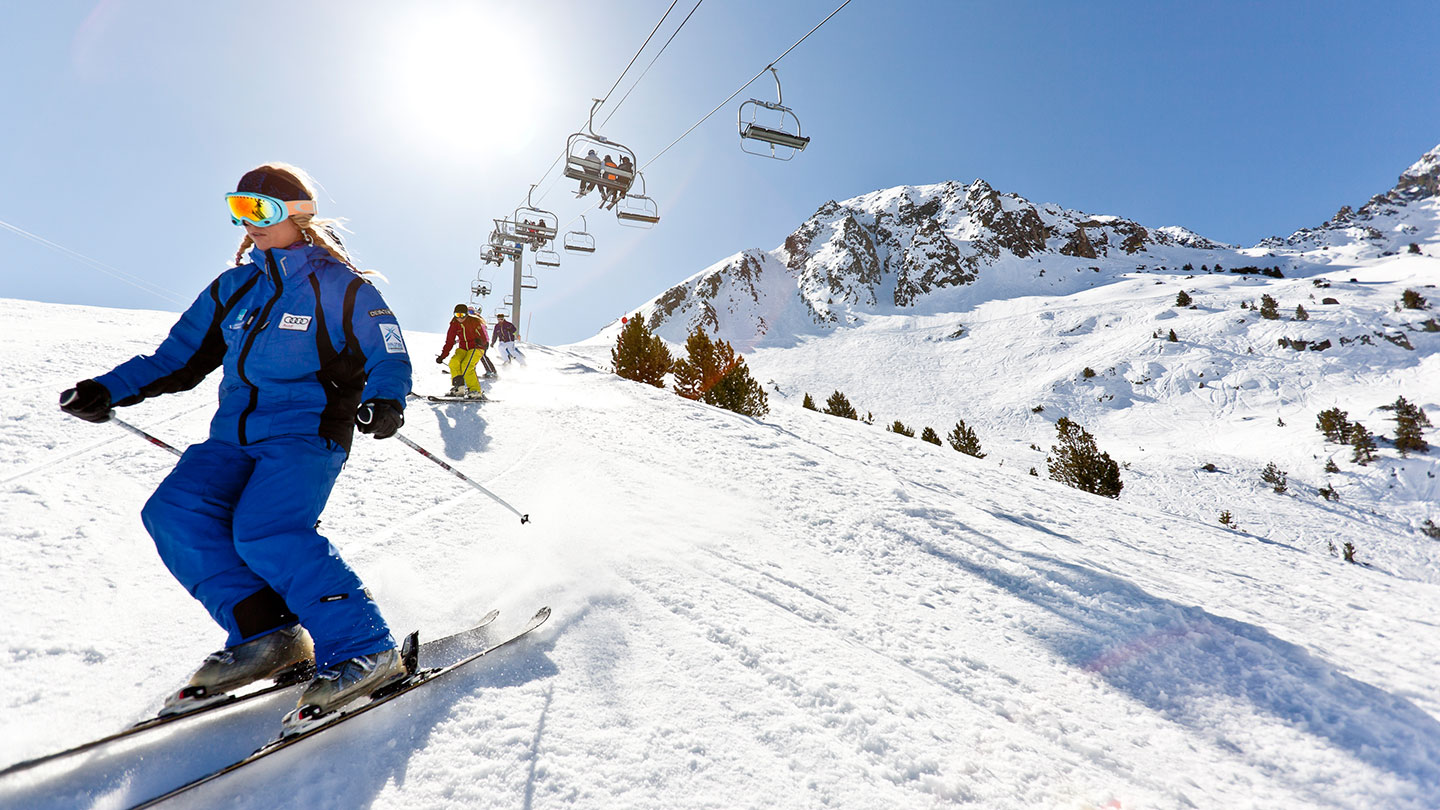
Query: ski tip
[
  {"x": 539, "y": 618},
  {"x": 524, "y": 519}
]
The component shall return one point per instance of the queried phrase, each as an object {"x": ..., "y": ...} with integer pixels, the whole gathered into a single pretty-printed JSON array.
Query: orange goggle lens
[{"x": 262, "y": 210}]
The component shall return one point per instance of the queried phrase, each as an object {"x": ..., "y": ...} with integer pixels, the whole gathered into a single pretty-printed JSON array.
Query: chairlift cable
[
  {"x": 637, "y": 53},
  {"x": 652, "y": 62},
  {"x": 742, "y": 87},
  {"x": 95, "y": 264}
]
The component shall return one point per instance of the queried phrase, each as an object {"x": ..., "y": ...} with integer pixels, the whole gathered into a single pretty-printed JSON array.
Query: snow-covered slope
[{"x": 796, "y": 612}]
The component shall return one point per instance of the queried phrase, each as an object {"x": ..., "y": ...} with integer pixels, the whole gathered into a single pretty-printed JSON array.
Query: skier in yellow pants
[{"x": 467, "y": 336}]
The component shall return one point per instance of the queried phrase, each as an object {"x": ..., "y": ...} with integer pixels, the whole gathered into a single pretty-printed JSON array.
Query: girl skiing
[{"x": 310, "y": 351}]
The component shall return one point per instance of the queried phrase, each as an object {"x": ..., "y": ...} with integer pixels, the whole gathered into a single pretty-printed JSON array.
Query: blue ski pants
[{"x": 236, "y": 525}]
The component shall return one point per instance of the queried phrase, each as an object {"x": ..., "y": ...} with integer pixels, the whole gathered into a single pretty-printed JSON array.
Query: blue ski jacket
[{"x": 303, "y": 340}]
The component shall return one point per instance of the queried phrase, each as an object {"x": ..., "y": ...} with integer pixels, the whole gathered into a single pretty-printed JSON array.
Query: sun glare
[{"x": 461, "y": 83}]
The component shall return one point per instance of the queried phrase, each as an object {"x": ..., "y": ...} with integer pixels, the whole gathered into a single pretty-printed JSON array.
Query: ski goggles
[{"x": 262, "y": 210}]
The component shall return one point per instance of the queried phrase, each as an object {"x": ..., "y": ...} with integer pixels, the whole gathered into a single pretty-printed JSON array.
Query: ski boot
[
  {"x": 457, "y": 391},
  {"x": 336, "y": 686},
  {"x": 477, "y": 394},
  {"x": 285, "y": 656}
]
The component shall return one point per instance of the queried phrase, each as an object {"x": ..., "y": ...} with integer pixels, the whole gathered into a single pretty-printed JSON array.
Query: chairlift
[
  {"x": 637, "y": 210},
  {"x": 529, "y": 283},
  {"x": 780, "y": 127},
  {"x": 508, "y": 231},
  {"x": 539, "y": 225},
  {"x": 491, "y": 255},
  {"x": 585, "y": 154},
  {"x": 479, "y": 289},
  {"x": 580, "y": 241},
  {"x": 547, "y": 258},
  {"x": 508, "y": 302}
]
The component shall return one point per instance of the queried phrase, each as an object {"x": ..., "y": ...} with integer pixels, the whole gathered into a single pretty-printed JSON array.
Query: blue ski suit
[{"x": 303, "y": 341}]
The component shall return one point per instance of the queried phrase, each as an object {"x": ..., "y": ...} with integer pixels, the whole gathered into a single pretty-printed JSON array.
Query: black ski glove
[
  {"x": 88, "y": 400},
  {"x": 440, "y": 359},
  {"x": 379, "y": 417}
]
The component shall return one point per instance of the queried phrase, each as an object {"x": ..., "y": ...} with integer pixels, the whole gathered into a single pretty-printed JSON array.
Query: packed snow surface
[{"x": 799, "y": 611}]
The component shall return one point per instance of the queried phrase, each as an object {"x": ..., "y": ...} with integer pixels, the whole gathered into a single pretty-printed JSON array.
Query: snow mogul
[{"x": 310, "y": 352}]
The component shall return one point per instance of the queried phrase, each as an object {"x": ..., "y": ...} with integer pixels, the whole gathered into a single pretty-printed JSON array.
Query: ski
[
  {"x": 225, "y": 702},
  {"x": 461, "y": 400},
  {"x": 415, "y": 680}
]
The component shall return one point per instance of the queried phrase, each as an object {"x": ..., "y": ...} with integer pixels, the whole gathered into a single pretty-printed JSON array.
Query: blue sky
[{"x": 126, "y": 120}]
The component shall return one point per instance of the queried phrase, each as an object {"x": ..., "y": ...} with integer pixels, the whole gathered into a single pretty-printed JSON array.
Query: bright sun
[{"x": 457, "y": 75}]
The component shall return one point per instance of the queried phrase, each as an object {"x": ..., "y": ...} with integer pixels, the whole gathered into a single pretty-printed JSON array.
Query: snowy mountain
[
  {"x": 947, "y": 247},
  {"x": 802, "y": 611},
  {"x": 935, "y": 304}
]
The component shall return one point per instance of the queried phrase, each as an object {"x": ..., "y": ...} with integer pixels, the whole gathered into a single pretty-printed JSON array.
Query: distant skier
[
  {"x": 310, "y": 351},
  {"x": 504, "y": 336},
  {"x": 467, "y": 334},
  {"x": 490, "y": 372}
]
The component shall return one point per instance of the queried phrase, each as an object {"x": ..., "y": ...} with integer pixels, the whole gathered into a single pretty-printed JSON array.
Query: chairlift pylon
[
  {"x": 585, "y": 160},
  {"x": 580, "y": 241},
  {"x": 637, "y": 210},
  {"x": 780, "y": 128}
]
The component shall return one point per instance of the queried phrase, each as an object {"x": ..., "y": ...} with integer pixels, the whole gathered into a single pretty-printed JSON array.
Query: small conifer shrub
[
  {"x": 1412, "y": 299},
  {"x": 838, "y": 405},
  {"x": 713, "y": 373},
  {"x": 1077, "y": 462},
  {"x": 899, "y": 427},
  {"x": 929, "y": 435},
  {"x": 1430, "y": 530},
  {"x": 963, "y": 439},
  {"x": 1414, "y": 248},
  {"x": 1348, "y": 552},
  {"x": 1363, "y": 441},
  {"x": 1269, "y": 308},
  {"x": 1331, "y": 466},
  {"x": 1328, "y": 493},
  {"x": 1334, "y": 423},
  {"x": 1087, "y": 373},
  {"x": 809, "y": 403},
  {"x": 1301, "y": 314},
  {"x": 1172, "y": 337},
  {"x": 1226, "y": 519},
  {"x": 640, "y": 354},
  {"x": 1183, "y": 299},
  {"x": 1274, "y": 477},
  {"x": 1410, "y": 424}
]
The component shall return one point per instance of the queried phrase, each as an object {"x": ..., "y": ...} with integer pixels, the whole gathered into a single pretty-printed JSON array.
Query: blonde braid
[
  {"x": 245, "y": 244},
  {"x": 317, "y": 232}
]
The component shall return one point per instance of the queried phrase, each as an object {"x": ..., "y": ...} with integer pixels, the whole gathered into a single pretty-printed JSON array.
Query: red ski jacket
[{"x": 470, "y": 334}]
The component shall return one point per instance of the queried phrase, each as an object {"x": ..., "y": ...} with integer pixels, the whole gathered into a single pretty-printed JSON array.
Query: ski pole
[
  {"x": 142, "y": 434},
  {"x": 496, "y": 498}
]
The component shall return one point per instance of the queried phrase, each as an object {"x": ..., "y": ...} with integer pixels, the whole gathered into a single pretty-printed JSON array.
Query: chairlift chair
[
  {"x": 636, "y": 210},
  {"x": 547, "y": 258},
  {"x": 529, "y": 282},
  {"x": 781, "y": 127},
  {"x": 491, "y": 255},
  {"x": 508, "y": 302},
  {"x": 592, "y": 172},
  {"x": 528, "y": 213},
  {"x": 580, "y": 241},
  {"x": 511, "y": 231}
]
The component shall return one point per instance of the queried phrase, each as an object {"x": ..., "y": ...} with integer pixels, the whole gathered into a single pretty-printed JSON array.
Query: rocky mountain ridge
[{"x": 918, "y": 248}]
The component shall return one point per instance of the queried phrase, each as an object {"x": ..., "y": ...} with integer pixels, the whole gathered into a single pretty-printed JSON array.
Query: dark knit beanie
[{"x": 272, "y": 183}]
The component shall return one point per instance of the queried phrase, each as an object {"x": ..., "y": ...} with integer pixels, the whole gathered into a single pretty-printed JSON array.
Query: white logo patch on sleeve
[
  {"x": 296, "y": 323},
  {"x": 394, "y": 344}
]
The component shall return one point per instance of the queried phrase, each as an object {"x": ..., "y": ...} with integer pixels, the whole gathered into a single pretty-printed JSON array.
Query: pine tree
[
  {"x": 1183, "y": 299},
  {"x": 1275, "y": 477},
  {"x": 1226, "y": 519},
  {"x": 1269, "y": 308},
  {"x": 1412, "y": 299},
  {"x": 808, "y": 404},
  {"x": 712, "y": 373},
  {"x": 899, "y": 427},
  {"x": 1300, "y": 313},
  {"x": 838, "y": 405},
  {"x": 640, "y": 354},
  {"x": 1363, "y": 442},
  {"x": 1410, "y": 424},
  {"x": 1078, "y": 463},
  {"x": 963, "y": 439},
  {"x": 1172, "y": 337},
  {"x": 1335, "y": 424},
  {"x": 929, "y": 435}
]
